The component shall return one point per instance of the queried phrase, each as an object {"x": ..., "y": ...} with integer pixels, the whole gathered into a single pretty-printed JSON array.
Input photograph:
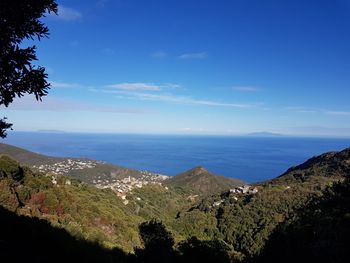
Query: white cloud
[
  {"x": 188, "y": 129},
  {"x": 68, "y": 14},
  {"x": 199, "y": 55},
  {"x": 170, "y": 86},
  {"x": 316, "y": 130},
  {"x": 159, "y": 54},
  {"x": 55, "y": 84},
  {"x": 299, "y": 109},
  {"x": 28, "y": 103},
  {"x": 182, "y": 100},
  {"x": 339, "y": 113},
  {"x": 135, "y": 86},
  {"x": 306, "y": 110},
  {"x": 245, "y": 89}
]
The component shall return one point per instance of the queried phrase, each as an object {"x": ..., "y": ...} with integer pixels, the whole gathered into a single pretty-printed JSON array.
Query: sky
[{"x": 194, "y": 67}]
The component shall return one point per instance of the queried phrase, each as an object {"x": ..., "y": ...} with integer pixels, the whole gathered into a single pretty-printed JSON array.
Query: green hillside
[
  {"x": 329, "y": 164},
  {"x": 27, "y": 157},
  {"x": 100, "y": 170},
  {"x": 97, "y": 215},
  {"x": 246, "y": 221},
  {"x": 308, "y": 203},
  {"x": 86, "y": 212},
  {"x": 199, "y": 181},
  {"x": 319, "y": 232}
]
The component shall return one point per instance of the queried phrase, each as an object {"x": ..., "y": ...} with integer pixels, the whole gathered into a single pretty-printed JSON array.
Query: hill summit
[
  {"x": 200, "y": 181},
  {"x": 196, "y": 171},
  {"x": 331, "y": 164}
]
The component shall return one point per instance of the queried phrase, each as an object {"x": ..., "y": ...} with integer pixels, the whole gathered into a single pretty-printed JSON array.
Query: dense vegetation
[
  {"x": 83, "y": 210},
  {"x": 302, "y": 214},
  {"x": 199, "y": 181},
  {"x": 319, "y": 232}
]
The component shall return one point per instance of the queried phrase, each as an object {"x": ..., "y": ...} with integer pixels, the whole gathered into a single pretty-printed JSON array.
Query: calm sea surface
[{"x": 249, "y": 158}]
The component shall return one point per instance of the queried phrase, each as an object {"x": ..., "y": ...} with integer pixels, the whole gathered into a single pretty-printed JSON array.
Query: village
[
  {"x": 120, "y": 186},
  {"x": 126, "y": 185},
  {"x": 65, "y": 166}
]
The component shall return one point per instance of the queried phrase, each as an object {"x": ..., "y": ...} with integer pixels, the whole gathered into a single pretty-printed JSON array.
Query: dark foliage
[
  {"x": 158, "y": 243},
  {"x": 19, "y": 20},
  {"x": 195, "y": 250},
  {"x": 4, "y": 126},
  {"x": 10, "y": 168},
  {"x": 25, "y": 239},
  {"x": 320, "y": 233}
]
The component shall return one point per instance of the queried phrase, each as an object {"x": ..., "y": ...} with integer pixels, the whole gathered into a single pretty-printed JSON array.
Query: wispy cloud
[
  {"x": 55, "y": 84},
  {"x": 68, "y": 14},
  {"x": 300, "y": 109},
  {"x": 141, "y": 86},
  {"x": 320, "y": 131},
  {"x": 198, "y": 55},
  {"x": 306, "y": 111},
  {"x": 245, "y": 89},
  {"x": 135, "y": 86},
  {"x": 182, "y": 100},
  {"x": 159, "y": 54},
  {"x": 28, "y": 103},
  {"x": 339, "y": 113},
  {"x": 189, "y": 129}
]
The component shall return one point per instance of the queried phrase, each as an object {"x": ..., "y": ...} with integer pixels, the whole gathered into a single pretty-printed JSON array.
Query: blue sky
[{"x": 194, "y": 67}]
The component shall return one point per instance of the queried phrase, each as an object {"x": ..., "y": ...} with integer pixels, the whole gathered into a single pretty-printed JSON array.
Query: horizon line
[{"x": 263, "y": 134}]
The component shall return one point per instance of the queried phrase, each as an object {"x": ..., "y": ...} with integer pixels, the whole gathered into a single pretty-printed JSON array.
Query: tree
[
  {"x": 158, "y": 243},
  {"x": 154, "y": 232},
  {"x": 19, "y": 20},
  {"x": 209, "y": 251}
]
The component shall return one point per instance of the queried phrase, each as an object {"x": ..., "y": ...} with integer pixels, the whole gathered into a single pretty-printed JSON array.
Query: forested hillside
[{"x": 302, "y": 213}]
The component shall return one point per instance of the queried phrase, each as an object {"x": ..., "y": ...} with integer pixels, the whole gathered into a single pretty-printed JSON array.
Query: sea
[{"x": 249, "y": 158}]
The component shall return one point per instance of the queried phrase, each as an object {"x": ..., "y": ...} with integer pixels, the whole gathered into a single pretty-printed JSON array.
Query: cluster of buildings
[
  {"x": 127, "y": 184},
  {"x": 241, "y": 190},
  {"x": 66, "y": 166},
  {"x": 245, "y": 189},
  {"x": 120, "y": 186},
  {"x": 55, "y": 182}
]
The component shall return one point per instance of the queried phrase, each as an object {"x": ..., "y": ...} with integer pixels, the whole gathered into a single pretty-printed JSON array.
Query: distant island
[
  {"x": 265, "y": 134},
  {"x": 50, "y": 131}
]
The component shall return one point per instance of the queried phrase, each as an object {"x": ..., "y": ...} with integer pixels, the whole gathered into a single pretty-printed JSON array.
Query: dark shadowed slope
[
  {"x": 320, "y": 232},
  {"x": 29, "y": 239}
]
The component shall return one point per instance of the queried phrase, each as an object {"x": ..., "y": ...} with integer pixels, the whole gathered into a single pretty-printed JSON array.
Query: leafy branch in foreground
[{"x": 19, "y": 20}]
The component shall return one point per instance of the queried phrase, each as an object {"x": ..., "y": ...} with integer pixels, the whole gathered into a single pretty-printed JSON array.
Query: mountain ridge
[{"x": 327, "y": 164}]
